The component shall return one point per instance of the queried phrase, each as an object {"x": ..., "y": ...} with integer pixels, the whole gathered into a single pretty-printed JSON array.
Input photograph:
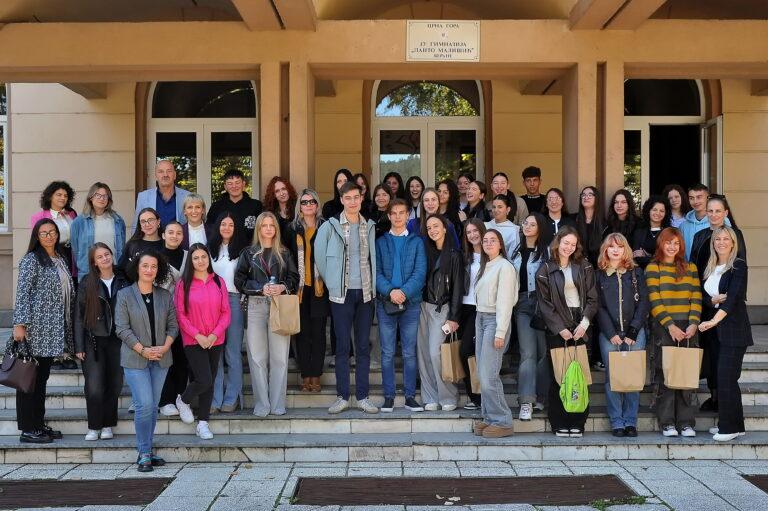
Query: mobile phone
[{"x": 446, "y": 329}]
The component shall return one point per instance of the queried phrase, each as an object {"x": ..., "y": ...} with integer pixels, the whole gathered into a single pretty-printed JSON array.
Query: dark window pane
[
  {"x": 181, "y": 150},
  {"x": 661, "y": 97},
  {"x": 400, "y": 151},
  {"x": 3, "y": 100},
  {"x": 455, "y": 152},
  {"x": 203, "y": 99},
  {"x": 230, "y": 150},
  {"x": 406, "y": 99}
]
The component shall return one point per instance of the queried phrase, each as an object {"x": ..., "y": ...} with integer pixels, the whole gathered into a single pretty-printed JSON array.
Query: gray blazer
[{"x": 132, "y": 324}]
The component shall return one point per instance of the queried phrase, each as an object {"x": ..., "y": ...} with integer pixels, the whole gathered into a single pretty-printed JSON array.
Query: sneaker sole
[
  {"x": 387, "y": 410},
  {"x": 415, "y": 408}
]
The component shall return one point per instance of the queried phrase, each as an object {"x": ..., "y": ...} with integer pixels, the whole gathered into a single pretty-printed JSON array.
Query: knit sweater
[
  {"x": 674, "y": 299},
  {"x": 496, "y": 292}
]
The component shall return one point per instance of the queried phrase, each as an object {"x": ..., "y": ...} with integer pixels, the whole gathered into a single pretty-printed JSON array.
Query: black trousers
[
  {"x": 711, "y": 362},
  {"x": 103, "y": 381},
  {"x": 30, "y": 408},
  {"x": 466, "y": 333},
  {"x": 558, "y": 417},
  {"x": 203, "y": 365},
  {"x": 178, "y": 375},
  {"x": 310, "y": 341},
  {"x": 729, "y": 361}
]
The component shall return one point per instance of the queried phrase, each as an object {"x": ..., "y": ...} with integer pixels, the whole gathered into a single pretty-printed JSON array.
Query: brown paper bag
[
  {"x": 473, "y": 374},
  {"x": 627, "y": 370},
  {"x": 681, "y": 366},
  {"x": 561, "y": 358},
  {"x": 451, "y": 370},
  {"x": 284, "y": 315}
]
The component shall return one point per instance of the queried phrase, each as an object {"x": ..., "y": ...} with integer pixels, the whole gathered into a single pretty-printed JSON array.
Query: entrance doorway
[{"x": 433, "y": 130}]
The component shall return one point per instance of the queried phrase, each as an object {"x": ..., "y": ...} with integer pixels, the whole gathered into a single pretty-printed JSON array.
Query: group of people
[{"x": 167, "y": 310}]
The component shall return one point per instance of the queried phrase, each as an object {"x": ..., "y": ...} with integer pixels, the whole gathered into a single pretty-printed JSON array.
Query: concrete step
[
  {"x": 384, "y": 447},
  {"x": 318, "y": 421}
]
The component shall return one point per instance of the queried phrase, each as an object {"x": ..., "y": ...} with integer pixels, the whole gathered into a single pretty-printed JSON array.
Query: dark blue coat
[
  {"x": 734, "y": 329},
  {"x": 413, "y": 265},
  {"x": 634, "y": 304}
]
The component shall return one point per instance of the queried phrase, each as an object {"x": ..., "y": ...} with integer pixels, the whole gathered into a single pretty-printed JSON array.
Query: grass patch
[{"x": 604, "y": 504}]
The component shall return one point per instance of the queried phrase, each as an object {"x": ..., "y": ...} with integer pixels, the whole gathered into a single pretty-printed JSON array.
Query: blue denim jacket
[
  {"x": 82, "y": 232},
  {"x": 517, "y": 261}
]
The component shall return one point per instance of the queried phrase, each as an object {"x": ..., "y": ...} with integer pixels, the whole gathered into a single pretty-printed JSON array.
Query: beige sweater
[{"x": 496, "y": 292}]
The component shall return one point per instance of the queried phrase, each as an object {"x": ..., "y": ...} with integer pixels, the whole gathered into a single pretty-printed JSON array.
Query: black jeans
[
  {"x": 30, "y": 408},
  {"x": 103, "y": 381},
  {"x": 466, "y": 333},
  {"x": 178, "y": 375},
  {"x": 203, "y": 364},
  {"x": 310, "y": 341},
  {"x": 558, "y": 417}
]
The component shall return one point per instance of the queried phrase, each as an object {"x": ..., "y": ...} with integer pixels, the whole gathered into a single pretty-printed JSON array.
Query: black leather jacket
[
  {"x": 105, "y": 322},
  {"x": 251, "y": 275},
  {"x": 445, "y": 282},
  {"x": 550, "y": 283}
]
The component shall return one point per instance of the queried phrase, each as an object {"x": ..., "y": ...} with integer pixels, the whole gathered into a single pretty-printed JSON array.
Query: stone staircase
[{"x": 308, "y": 433}]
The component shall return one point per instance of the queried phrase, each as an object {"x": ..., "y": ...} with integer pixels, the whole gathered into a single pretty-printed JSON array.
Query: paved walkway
[{"x": 677, "y": 485}]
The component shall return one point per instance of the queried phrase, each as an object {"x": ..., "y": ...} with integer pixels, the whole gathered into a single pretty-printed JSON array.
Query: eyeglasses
[
  {"x": 587, "y": 194},
  {"x": 99, "y": 196},
  {"x": 47, "y": 234},
  {"x": 148, "y": 221},
  {"x": 309, "y": 202}
]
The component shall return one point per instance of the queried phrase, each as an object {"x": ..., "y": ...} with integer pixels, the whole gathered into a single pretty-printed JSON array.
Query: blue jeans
[
  {"x": 493, "y": 405},
  {"x": 146, "y": 386},
  {"x": 408, "y": 324},
  {"x": 533, "y": 375},
  {"x": 354, "y": 312},
  {"x": 622, "y": 406},
  {"x": 227, "y": 392}
]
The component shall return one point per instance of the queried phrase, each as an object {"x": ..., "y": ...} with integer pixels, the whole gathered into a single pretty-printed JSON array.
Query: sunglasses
[{"x": 308, "y": 202}]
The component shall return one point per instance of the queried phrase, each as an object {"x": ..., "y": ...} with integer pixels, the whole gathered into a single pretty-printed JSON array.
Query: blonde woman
[
  {"x": 266, "y": 269},
  {"x": 194, "y": 230}
]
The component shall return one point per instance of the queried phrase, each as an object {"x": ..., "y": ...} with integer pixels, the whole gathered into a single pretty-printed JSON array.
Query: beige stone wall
[
  {"x": 57, "y": 134},
  {"x": 745, "y": 182}
]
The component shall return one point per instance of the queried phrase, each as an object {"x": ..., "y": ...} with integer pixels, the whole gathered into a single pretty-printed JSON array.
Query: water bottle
[{"x": 272, "y": 280}]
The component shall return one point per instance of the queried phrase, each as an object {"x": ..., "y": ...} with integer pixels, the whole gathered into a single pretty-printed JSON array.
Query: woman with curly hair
[
  {"x": 56, "y": 204},
  {"x": 656, "y": 216},
  {"x": 280, "y": 199}
]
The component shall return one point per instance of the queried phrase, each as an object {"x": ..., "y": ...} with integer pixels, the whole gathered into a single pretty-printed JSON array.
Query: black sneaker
[
  {"x": 156, "y": 461},
  {"x": 630, "y": 431},
  {"x": 619, "y": 432},
  {"x": 69, "y": 364},
  {"x": 53, "y": 433},
  {"x": 413, "y": 405},
  {"x": 388, "y": 406},
  {"x": 35, "y": 437},
  {"x": 145, "y": 463}
]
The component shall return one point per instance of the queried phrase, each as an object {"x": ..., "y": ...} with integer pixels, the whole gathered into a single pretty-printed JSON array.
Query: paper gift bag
[
  {"x": 627, "y": 370},
  {"x": 561, "y": 357},
  {"x": 681, "y": 366},
  {"x": 451, "y": 369},
  {"x": 284, "y": 315},
  {"x": 473, "y": 374}
]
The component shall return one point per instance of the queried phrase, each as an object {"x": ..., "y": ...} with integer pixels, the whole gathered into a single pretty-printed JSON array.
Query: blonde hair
[
  {"x": 713, "y": 259},
  {"x": 618, "y": 239},
  {"x": 192, "y": 198},
  {"x": 277, "y": 244}
]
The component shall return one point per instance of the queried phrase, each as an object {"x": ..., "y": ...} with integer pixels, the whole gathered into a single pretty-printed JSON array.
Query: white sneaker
[
  {"x": 448, "y": 408},
  {"x": 339, "y": 405},
  {"x": 726, "y": 437},
  {"x": 185, "y": 412},
  {"x": 716, "y": 430},
  {"x": 375, "y": 364},
  {"x": 93, "y": 434},
  {"x": 203, "y": 431},
  {"x": 132, "y": 408},
  {"x": 538, "y": 407},
  {"x": 106, "y": 434},
  {"x": 366, "y": 406},
  {"x": 688, "y": 432},
  {"x": 169, "y": 410},
  {"x": 431, "y": 407},
  {"x": 526, "y": 411},
  {"x": 669, "y": 430}
]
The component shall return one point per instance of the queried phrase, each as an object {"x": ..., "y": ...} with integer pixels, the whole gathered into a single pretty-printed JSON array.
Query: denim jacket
[
  {"x": 82, "y": 232},
  {"x": 532, "y": 268}
]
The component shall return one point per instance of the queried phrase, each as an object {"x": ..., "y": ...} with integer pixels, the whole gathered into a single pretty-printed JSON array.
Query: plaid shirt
[{"x": 365, "y": 263}]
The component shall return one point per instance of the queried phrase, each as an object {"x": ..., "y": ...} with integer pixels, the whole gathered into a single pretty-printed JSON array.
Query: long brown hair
[
  {"x": 92, "y": 283},
  {"x": 484, "y": 257},
  {"x": 578, "y": 254},
  {"x": 658, "y": 257}
]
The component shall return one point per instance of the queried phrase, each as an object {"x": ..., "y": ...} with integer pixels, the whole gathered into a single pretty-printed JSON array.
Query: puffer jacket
[
  {"x": 251, "y": 275},
  {"x": 445, "y": 282},
  {"x": 550, "y": 283},
  {"x": 623, "y": 314},
  {"x": 105, "y": 321}
]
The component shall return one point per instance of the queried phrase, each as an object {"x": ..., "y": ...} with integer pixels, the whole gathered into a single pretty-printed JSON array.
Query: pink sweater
[{"x": 208, "y": 310}]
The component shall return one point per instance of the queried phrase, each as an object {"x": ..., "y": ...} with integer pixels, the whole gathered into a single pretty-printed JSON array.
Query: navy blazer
[{"x": 734, "y": 329}]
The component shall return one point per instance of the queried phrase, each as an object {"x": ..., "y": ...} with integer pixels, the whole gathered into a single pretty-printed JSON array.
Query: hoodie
[{"x": 691, "y": 226}]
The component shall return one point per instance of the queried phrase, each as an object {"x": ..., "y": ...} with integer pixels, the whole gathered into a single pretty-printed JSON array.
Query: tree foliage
[{"x": 425, "y": 99}]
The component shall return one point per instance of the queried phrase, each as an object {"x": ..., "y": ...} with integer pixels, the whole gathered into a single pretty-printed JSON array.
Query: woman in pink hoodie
[{"x": 202, "y": 310}]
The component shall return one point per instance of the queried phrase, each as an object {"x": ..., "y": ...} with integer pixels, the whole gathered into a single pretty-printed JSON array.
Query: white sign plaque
[{"x": 441, "y": 40}]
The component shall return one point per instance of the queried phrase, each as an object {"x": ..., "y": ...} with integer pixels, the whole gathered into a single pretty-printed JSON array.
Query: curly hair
[
  {"x": 53, "y": 187},
  {"x": 270, "y": 201},
  {"x": 132, "y": 271},
  {"x": 650, "y": 203}
]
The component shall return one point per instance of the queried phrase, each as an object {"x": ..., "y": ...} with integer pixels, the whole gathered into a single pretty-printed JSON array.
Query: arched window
[
  {"x": 427, "y": 99},
  {"x": 205, "y": 129},
  {"x": 662, "y": 97}
]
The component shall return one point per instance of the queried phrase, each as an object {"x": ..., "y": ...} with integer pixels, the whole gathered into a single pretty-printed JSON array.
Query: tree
[{"x": 425, "y": 99}]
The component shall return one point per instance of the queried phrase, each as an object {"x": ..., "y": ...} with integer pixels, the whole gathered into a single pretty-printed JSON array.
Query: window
[
  {"x": 427, "y": 99},
  {"x": 3, "y": 156},
  {"x": 662, "y": 97}
]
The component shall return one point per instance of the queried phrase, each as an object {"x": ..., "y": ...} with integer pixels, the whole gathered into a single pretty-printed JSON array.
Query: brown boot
[
  {"x": 478, "y": 427},
  {"x": 316, "y": 387},
  {"x": 306, "y": 386},
  {"x": 497, "y": 431}
]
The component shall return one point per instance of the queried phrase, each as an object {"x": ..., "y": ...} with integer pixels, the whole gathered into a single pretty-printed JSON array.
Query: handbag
[
  {"x": 537, "y": 320},
  {"x": 390, "y": 307},
  {"x": 284, "y": 318},
  {"x": 451, "y": 369},
  {"x": 19, "y": 370}
]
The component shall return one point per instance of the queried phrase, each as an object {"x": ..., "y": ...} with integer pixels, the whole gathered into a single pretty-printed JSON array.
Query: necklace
[{"x": 147, "y": 297}]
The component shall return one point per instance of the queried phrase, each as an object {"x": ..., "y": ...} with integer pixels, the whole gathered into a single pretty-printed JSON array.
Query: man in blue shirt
[{"x": 166, "y": 198}]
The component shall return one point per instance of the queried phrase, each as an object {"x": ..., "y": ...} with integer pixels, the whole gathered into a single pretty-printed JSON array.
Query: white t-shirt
[
  {"x": 197, "y": 234},
  {"x": 224, "y": 267},
  {"x": 108, "y": 283},
  {"x": 712, "y": 284},
  {"x": 474, "y": 269}
]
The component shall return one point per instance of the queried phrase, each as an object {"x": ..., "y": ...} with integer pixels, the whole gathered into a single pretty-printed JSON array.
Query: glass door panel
[
  {"x": 230, "y": 150},
  {"x": 180, "y": 148},
  {"x": 400, "y": 151},
  {"x": 455, "y": 152},
  {"x": 633, "y": 164}
]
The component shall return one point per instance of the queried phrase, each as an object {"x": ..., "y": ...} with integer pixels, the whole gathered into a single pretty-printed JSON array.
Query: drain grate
[
  {"x": 761, "y": 481},
  {"x": 460, "y": 491},
  {"x": 125, "y": 492}
]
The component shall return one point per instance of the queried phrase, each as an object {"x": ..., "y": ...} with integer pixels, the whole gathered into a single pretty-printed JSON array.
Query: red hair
[
  {"x": 666, "y": 235},
  {"x": 270, "y": 201}
]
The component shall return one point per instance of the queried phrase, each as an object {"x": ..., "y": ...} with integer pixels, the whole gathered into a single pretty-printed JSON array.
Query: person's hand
[
  {"x": 19, "y": 333},
  {"x": 676, "y": 333},
  {"x": 498, "y": 343},
  {"x": 267, "y": 290},
  {"x": 202, "y": 340},
  {"x": 277, "y": 289},
  {"x": 80, "y": 356},
  {"x": 452, "y": 325},
  {"x": 718, "y": 299},
  {"x": 691, "y": 331},
  {"x": 212, "y": 338},
  {"x": 615, "y": 340},
  {"x": 629, "y": 341},
  {"x": 639, "y": 253},
  {"x": 397, "y": 296},
  {"x": 579, "y": 332},
  {"x": 566, "y": 334},
  {"x": 462, "y": 216}
]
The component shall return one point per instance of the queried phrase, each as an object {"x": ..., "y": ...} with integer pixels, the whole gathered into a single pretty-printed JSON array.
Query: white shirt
[
  {"x": 197, "y": 234},
  {"x": 104, "y": 230},
  {"x": 712, "y": 284},
  {"x": 63, "y": 222},
  {"x": 224, "y": 267},
  {"x": 474, "y": 269},
  {"x": 404, "y": 233},
  {"x": 108, "y": 283}
]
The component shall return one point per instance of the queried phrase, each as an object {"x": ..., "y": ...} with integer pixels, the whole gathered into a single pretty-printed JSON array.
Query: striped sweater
[{"x": 673, "y": 299}]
